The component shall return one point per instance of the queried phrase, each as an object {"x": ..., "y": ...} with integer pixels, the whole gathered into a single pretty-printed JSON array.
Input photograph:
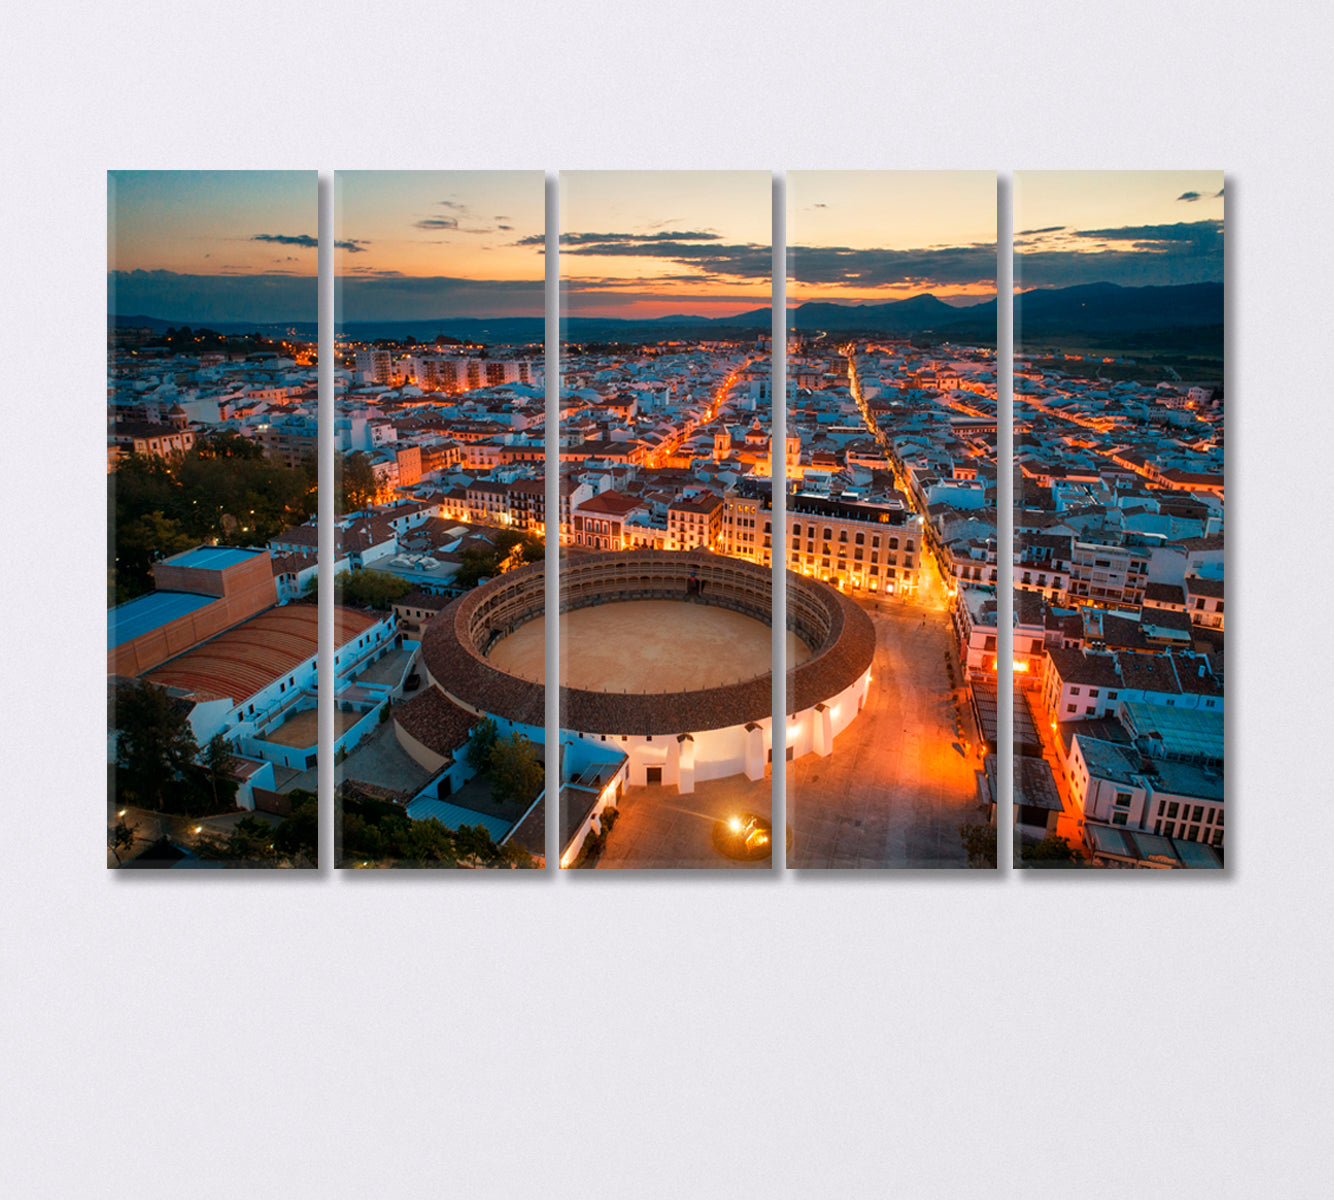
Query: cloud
[
  {"x": 451, "y": 224},
  {"x": 1132, "y": 256},
  {"x": 388, "y": 296},
  {"x": 631, "y": 239},
  {"x": 1218, "y": 195},
  {"x": 1189, "y": 197},
  {"x": 453, "y": 204},
  {"x": 937, "y": 267},
  {"x": 283, "y": 239},
  {"x": 1044, "y": 229},
  {"x": 1181, "y": 237},
  {"x": 352, "y": 246}
]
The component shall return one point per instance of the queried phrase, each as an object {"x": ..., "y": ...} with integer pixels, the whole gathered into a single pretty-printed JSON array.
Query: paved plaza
[
  {"x": 899, "y": 782},
  {"x": 658, "y": 828},
  {"x": 379, "y": 758},
  {"x": 894, "y": 792}
]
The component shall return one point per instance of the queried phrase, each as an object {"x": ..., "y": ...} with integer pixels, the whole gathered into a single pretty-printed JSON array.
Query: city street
[{"x": 899, "y": 783}]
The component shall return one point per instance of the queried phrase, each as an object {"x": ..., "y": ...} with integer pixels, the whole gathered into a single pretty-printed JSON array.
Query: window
[
  {"x": 1069, "y": 708},
  {"x": 1111, "y": 695},
  {"x": 1120, "y": 818},
  {"x": 1123, "y": 799},
  {"x": 1172, "y": 809},
  {"x": 1074, "y": 691},
  {"x": 1198, "y": 814},
  {"x": 1093, "y": 693}
]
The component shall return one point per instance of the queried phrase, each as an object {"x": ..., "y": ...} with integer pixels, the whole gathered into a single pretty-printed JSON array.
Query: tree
[
  {"x": 979, "y": 841},
  {"x": 475, "y": 566},
  {"x": 217, "y": 763},
  {"x": 516, "y": 771},
  {"x": 297, "y": 835},
  {"x": 357, "y": 484},
  {"x": 122, "y": 838},
  {"x": 481, "y": 742},
  {"x": 1052, "y": 851},
  {"x": 155, "y": 746},
  {"x": 136, "y": 545},
  {"x": 367, "y": 589},
  {"x": 251, "y": 841},
  {"x": 226, "y": 443}
]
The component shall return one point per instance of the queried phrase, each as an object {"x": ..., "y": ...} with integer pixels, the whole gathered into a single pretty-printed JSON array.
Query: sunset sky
[
  {"x": 1133, "y": 228},
  {"x": 415, "y": 245},
  {"x": 198, "y": 246},
  {"x": 646, "y": 244},
  {"x": 874, "y": 236}
]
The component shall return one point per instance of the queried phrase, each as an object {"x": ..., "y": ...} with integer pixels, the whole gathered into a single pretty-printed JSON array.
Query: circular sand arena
[
  {"x": 485, "y": 650},
  {"x": 647, "y": 646}
]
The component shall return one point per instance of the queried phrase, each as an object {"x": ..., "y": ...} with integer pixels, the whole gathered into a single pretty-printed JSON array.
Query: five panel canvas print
[{"x": 672, "y": 494}]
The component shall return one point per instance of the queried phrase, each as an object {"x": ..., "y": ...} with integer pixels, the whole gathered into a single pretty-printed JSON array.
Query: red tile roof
[{"x": 249, "y": 657}]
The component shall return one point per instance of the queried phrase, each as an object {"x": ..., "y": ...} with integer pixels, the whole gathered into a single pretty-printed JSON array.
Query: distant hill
[
  {"x": 308, "y": 329},
  {"x": 1185, "y": 314},
  {"x": 1109, "y": 308}
]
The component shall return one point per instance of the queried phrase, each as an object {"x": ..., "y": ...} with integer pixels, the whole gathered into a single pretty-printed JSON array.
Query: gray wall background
[{"x": 667, "y": 1036}]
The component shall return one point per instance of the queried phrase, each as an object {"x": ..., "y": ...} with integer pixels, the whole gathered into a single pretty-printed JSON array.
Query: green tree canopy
[
  {"x": 380, "y": 833},
  {"x": 357, "y": 484},
  {"x": 1052, "y": 851},
  {"x": 297, "y": 835},
  {"x": 481, "y": 741},
  {"x": 366, "y": 589},
  {"x": 155, "y": 746},
  {"x": 223, "y": 491},
  {"x": 979, "y": 842},
  {"x": 516, "y": 771}
]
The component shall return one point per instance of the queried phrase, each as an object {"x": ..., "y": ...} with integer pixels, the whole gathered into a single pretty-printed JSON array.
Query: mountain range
[{"x": 1096, "y": 309}]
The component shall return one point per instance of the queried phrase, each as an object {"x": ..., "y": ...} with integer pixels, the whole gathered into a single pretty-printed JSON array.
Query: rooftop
[
  {"x": 212, "y": 558},
  {"x": 249, "y": 657},
  {"x": 143, "y": 614}
]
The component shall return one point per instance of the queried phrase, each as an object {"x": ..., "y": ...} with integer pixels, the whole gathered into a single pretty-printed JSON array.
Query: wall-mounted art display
[
  {"x": 439, "y": 410},
  {"x": 889, "y": 534},
  {"x": 1118, "y": 519},
  {"x": 211, "y": 333},
  {"x": 666, "y": 605}
]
